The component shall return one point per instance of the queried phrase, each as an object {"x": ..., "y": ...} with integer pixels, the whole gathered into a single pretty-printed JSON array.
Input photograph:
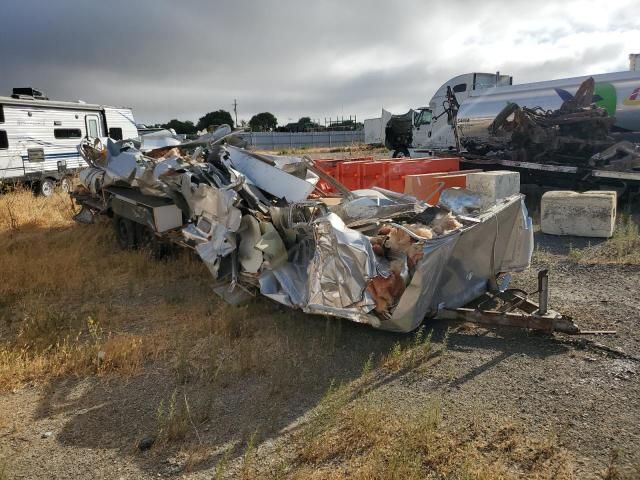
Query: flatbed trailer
[
  {"x": 559, "y": 175},
  {"x": 139, "y": 220}
]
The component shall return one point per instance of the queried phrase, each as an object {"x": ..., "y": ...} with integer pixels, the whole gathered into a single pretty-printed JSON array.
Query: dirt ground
[{"x": 233, "y": 386}]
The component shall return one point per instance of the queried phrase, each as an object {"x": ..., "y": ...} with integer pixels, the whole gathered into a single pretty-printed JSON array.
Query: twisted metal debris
[{"x": 260, "y": 226}]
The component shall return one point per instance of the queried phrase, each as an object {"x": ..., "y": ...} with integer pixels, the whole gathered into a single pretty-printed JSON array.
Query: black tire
[
  {"x": 401, "y": 153},
  {"x": 125, "y": 232},
  {"x": 44, "y": 187},
  {"x": 147, "y": 240},
  {"x": 66, "y": 185}
]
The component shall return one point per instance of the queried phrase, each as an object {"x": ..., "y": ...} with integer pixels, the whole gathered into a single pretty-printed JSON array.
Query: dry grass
[
  {"x": 375, "y": 438},
  {"x": 412, "y": 353},
  {"x": 622, "y": 248},
  {"x": 354, "y": 149},
  {"x": 71, "y": 303},
  {"x": 358, "y": 432},
  {"x": 174, "y": 418}
]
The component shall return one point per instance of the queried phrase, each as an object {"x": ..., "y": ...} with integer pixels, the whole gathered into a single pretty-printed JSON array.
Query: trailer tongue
[{"x": 514, "y": 308}]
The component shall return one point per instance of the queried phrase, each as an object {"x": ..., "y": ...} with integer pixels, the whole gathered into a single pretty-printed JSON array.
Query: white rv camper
[{"x": 39, "y": 137}]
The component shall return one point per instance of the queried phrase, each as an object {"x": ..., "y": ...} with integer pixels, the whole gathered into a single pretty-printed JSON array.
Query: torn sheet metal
[
  {"x": 287, "y": 284},
  {"x": 216, "y": 203},
  {"x": 93, "y": 178},
  {"x": 250, "y": 257},
  {"x": 375, "y": 257},
  {"x": 461, "y": 201},
  {"x": 159, "y": 139},
  {"x": 272, "y": 247},
  {"x": 268, "y": 177},
  {"x": 340, "y": 270},
  {"x": 457, "y": 268},
  {"x": 221, "y": 244}
]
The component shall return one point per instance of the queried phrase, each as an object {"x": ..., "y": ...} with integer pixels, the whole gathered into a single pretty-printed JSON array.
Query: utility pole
[{"x": 235, "y": 110}]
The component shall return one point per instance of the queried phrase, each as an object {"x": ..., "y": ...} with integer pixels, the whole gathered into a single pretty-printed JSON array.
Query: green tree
[
  {"x": 187, "y": 127},
  {"x": 305, "y": 124},
  {"x": 214, "y": 118},
  {"x": 264, "y": 121}
]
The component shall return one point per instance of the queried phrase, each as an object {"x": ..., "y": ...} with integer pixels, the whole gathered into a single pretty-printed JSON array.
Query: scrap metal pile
[
  {"x": 579, "y": 132},
  {"x": 372, "y": 256}
]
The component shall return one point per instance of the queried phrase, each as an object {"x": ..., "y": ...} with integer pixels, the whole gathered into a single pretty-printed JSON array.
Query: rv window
[
  {"x": 67, "y": 133},
  {"x": 4, "y": 141},
  {"x": 461, "y": 87},
  {"x": 1, "y": 113},
  {"x": 115, "y": 133},
  {"x": 93, "y": 128}
]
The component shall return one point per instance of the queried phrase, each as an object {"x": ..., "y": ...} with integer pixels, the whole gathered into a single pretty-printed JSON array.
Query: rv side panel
[
  {"x": 42, "y": 139},
  {"x": 120, "y": 123}
]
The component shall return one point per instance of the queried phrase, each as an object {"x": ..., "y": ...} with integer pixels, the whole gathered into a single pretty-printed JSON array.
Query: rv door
[{"x": 92, "y": 123}]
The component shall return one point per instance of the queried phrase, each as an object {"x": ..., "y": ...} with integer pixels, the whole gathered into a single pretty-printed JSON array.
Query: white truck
[
  {"x": 460, "y": 118},
  {"x": 482, "y": 96},
  {"x": 432, "y": 129},
  {"x": 39, "y": 137}
]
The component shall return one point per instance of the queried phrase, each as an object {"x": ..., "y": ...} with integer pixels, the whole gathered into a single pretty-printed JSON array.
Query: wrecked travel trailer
[{"x": 260, "y": 225}]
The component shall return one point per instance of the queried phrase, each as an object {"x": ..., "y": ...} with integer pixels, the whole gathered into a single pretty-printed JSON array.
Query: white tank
[{"x": 618, "y": 93}]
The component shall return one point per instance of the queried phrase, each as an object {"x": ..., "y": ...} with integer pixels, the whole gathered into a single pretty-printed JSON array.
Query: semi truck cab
[
  {"x": 432, "y": 127},
  {"x": 440, "y": 135}
]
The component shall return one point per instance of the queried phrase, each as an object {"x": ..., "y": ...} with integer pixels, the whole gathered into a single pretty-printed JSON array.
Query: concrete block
[
  {"x": 588, "y": 214},
  {"x": 494, "y": 186}
]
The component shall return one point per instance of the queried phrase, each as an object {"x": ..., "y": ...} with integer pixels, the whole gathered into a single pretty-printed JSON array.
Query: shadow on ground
[{"x": 260, "y": 403}]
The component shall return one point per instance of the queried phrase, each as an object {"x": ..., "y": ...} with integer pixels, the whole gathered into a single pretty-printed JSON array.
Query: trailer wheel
[
  {"x": 401, "y": 153},
  {"x": 44, "y": 187},
  {"x": 125, "y": 232},
  {"x": 147, "y": 240},
  {"x": 66, "y": 185}
]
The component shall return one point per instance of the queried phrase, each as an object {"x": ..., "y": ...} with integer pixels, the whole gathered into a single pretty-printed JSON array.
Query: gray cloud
[{"x": 181, "y": 59}]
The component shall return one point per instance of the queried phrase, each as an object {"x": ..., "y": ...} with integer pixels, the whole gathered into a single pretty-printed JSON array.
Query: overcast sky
[{"x": 169, "y": 59}]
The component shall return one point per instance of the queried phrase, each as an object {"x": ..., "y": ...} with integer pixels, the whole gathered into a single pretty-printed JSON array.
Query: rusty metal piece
[
  {"x": 543, "y": 291},
  {"x": 339, "y": 187},
  {"x": 548, "y": 323},
  {"x": 531, "y": 315}
]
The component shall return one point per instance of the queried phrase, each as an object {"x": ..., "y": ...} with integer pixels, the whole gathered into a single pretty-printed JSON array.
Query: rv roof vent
[{"x": 29, "y": 93}]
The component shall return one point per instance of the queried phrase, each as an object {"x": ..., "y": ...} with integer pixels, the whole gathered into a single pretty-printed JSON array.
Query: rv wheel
[
  {"x": 65, "y": 185},
  {"x": 125, "y": 232},
  {"x": 44, "y": 187}
]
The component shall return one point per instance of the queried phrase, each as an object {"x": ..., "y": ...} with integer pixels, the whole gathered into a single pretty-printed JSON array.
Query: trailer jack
[{"x": 514, "y": 308}]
